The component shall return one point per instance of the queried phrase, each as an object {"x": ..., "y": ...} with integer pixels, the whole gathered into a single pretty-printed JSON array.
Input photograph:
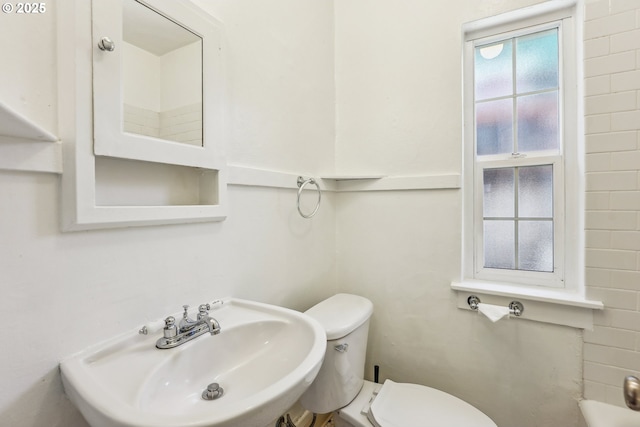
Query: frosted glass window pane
[
  {"x": 499, "y": 188},
  {"x": 535, "y": 191},
  {"x": 493, "y": 70},
  {"x": 494, "y": 127},
  {"x": 537, "y": 61},
  {"x": 538, "y": 122},
  {"x": 499, "y": 244},
  {"x": 535, "y": 245}
]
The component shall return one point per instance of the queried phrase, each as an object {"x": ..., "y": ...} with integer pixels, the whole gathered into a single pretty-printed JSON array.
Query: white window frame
[{"x": 568, "y": 275}]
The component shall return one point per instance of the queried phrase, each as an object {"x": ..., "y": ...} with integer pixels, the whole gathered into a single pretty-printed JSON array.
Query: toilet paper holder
[{"x": 515, "y": 307}]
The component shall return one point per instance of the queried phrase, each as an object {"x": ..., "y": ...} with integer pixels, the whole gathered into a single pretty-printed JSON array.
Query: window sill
[{"x": 541, "y": 305}]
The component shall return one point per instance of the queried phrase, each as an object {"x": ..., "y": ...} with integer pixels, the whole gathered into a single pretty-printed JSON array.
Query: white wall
[
  {"x": 612, "y": 71},
  {"x": 33, "y": 92},
  {"x": 280, "y": 119},
  {"x": 398, "y": 79},
  {"x": 142, "y": 78},
  {"x": 161, "y": 83},
  {"x": 181, "y": 77},
  {"x": 63, "y": 292}
]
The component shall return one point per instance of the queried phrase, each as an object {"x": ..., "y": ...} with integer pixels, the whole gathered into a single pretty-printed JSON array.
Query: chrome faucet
[{"x": 188, "y": 328}]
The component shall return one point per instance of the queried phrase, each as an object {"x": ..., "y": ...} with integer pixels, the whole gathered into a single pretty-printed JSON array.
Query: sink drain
[{"x": 213, "y": 392}]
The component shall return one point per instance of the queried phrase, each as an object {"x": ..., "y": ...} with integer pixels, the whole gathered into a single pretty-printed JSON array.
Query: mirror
[
  {"x": 159, "y": 82},
  {"x": 162, "y": 76}
]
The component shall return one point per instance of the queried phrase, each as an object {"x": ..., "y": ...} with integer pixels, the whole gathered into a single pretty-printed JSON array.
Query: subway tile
[
  {"x": 597, "y": 201},
  {"x": 620, "y": 82},
  {"x": 598, "y": 85},
  {"x": 628, "y": 120},
  {"x": 598, "y": 239},
  {"x": 626, "y": 319},
  {"x": 598, "y": 123},
  {"x": 611, "y": 103},
  {"x": 617, "y": 63},
  {"x": 621, "y": 42},
  {"x": 598, "y": 162},
  {"x": 595, "y": 391},
  {"x": 606, "y": 374},
  {"x": 596, "y": 47},
  {"x": 598, "y": 277},
  {"x": 628, "y": 6},
  {"x": 617, "y": 141},
  {"x": 133, "y": 128},
  {"x": 602, "y": 318},
  {"x": 618, "y": 357},
  {"x": 610, "y": 220},
  {"x": 609, "y": 25},
  {"x": 626, "y": 161},
  {"x": 620, "y": 299},
  {"x": 612, "y": 337},
  {"x": 614, "y": 394},
  {"x": 193, "y": 135},
  {"x": 613, "y": 259},
  {"x": 603, "y": 181},
  {"x": 596, "y": 9},
  {"x": 152, "y": 122},
  {"x": 625, "y": 200},
  {"x": 625, "y": 279}
]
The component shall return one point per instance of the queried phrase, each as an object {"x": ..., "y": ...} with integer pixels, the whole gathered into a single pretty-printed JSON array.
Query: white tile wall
[
  {"x": 612, "y": 126},
  {"x": 141, "y": 121},
  {"x": 607, "y": 142},
  {"x": 182, "y": 124}
]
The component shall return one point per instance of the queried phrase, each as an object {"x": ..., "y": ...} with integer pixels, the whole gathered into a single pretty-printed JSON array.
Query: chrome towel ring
[{"x": 302, "y": 182}]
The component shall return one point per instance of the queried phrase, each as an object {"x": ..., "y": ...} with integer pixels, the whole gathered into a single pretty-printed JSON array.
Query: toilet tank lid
[{"x": 341, "y": 314}]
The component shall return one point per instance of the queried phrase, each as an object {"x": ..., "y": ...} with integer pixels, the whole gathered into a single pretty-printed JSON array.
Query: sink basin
[
  {"x": 599, "y": 414},
  {"x": 264, "y": 359}
]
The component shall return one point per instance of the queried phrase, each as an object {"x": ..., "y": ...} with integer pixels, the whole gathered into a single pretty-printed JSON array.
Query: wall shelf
[
  {"x": 14, "y": 124},
  {"x": 27, "y": 146},
  {"x": 351, "y": 177},
  {"x": 394, "y": 183},
  {"x": 249, "y": 176}
]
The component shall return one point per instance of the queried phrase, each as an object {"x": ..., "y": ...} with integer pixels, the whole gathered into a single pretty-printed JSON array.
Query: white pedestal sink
[{"x": 264, "y": 359}]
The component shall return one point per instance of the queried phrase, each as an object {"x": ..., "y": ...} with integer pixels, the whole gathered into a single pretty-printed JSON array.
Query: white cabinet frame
[{"x": 75, "y": 106}]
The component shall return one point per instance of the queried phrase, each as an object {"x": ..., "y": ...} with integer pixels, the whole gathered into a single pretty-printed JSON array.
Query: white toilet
[{"x": 340, "y": 384}]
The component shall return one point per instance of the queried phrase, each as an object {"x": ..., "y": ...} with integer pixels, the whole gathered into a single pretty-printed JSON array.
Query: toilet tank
[{"x": 345, "y": 318}]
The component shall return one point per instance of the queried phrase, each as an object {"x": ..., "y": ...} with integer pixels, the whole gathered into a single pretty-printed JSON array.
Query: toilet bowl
[{"x": 340, "y": 386}]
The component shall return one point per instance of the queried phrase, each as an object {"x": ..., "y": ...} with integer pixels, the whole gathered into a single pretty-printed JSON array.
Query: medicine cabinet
[{"x": 146, "y": 83}]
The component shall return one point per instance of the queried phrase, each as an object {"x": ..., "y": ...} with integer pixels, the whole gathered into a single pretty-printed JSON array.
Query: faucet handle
[
  {"x": 203, "y": 310},
  {"x": 170, "y": 328}
]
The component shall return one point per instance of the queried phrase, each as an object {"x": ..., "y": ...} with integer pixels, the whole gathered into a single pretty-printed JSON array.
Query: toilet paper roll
[{"x": 493, "y": 312}]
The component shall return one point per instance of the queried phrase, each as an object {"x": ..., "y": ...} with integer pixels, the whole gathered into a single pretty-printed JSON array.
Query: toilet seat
[{"x": 412, "y": 405}]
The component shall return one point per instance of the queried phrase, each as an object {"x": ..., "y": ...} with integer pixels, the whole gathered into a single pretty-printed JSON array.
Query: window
[{"x": 521, "y": 187}]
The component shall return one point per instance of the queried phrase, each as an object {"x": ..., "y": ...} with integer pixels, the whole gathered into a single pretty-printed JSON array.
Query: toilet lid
[{"x": 412, "y": 405}]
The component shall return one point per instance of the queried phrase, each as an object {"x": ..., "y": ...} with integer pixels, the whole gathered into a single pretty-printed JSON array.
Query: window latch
[{"x": 518, "y": 155}]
